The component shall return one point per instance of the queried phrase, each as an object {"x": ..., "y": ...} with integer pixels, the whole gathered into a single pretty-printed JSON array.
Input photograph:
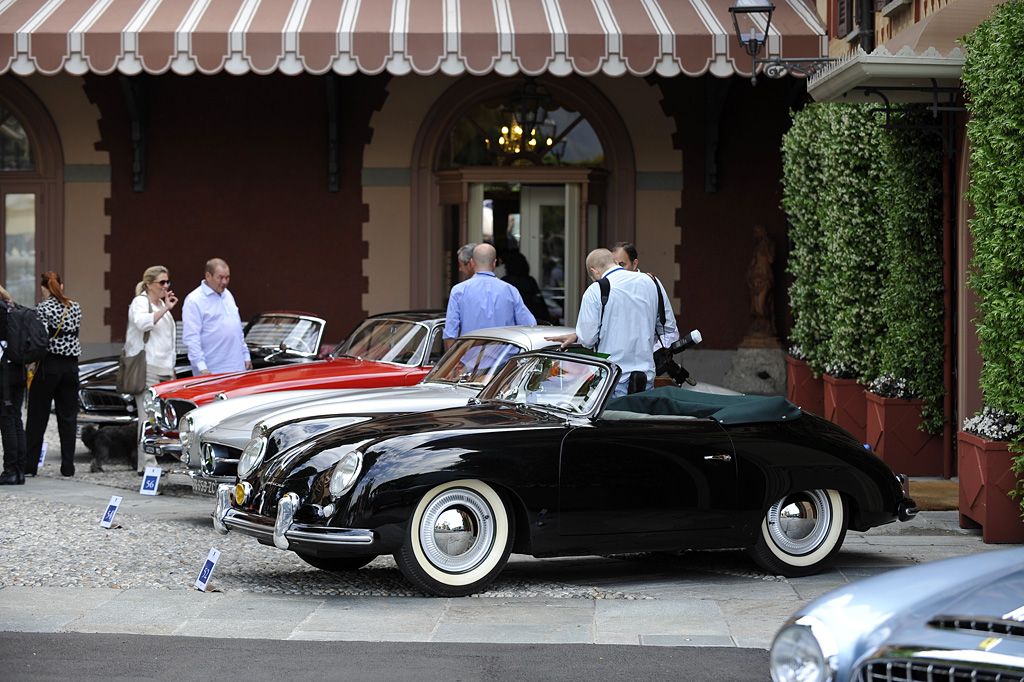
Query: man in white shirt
[
  {"x": 212, "y": 326},
  {"x": 624, "y": 327},
  {"x": 626, "y": 257}
]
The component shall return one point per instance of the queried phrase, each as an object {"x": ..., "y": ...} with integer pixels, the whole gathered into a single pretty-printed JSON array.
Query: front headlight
[
  {"x": 251, "y": 457},
  {"x": 803, "y": 652},
  {"x": 346, "y": 471},
  {"x": 185, "y": 431}
]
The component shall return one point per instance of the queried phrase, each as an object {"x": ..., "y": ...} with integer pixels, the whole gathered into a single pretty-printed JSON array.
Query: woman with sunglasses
[{"x": 151, "y": 327}]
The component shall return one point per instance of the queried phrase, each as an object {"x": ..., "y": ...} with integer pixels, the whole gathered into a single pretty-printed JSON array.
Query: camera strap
[{"x": 606, "y": 287}]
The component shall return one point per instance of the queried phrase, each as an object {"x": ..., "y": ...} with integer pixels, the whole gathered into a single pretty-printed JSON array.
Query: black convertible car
[{"x": 544, "y": 463}]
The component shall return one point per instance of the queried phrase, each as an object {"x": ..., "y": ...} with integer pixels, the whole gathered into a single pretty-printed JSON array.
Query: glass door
[
  {"x": 535, "y": 229},
  {"x": 19, "y": 237}
]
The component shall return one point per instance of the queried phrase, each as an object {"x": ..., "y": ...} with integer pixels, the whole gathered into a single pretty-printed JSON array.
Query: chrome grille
[
  {"x": 169, "y": 412},
  {"x": 102, "y": 401},
  {"x": 921, "y": 671},
  {"x": 991, "y": 626}
]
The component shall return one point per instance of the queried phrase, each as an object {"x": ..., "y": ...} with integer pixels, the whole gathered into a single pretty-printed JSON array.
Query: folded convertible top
[{"x": 725, "y": 409}]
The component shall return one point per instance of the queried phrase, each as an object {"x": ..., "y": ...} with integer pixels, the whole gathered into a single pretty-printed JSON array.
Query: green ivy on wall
[{"x": 993, "y": 82}]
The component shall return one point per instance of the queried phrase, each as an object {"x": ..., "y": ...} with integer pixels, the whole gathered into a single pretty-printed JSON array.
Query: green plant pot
[
  {"x": 986, "y": 478},
  {"x": 803, "y": 389},
  {"x": 846, "y": 406},
  {"x": 894, "y": 435}
]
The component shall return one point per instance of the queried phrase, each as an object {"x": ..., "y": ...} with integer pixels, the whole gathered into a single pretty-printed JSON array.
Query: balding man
[
  {"x": 212, "y": 329},
  {"x": 483, "y": 300},
  {"x": 623, "y": 327}
]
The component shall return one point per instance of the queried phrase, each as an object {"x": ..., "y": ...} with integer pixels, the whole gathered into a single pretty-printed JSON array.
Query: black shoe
[
  {"x": 9, "y": 478},
  {"x": 21, "y": 479}
]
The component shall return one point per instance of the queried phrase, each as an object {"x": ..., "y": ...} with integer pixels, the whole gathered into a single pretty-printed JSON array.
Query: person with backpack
[
  {"x": 618, "y": 317},
  {"x": 12, "y": 378},
  {"x": 56, "y": 377}
]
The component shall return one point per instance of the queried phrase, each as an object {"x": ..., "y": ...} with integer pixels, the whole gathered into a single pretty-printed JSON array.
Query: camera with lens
[{"x": 665, "y": 363}]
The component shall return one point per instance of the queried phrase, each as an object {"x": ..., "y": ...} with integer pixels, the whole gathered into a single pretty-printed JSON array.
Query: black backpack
[{"x": 27, "y": 339}]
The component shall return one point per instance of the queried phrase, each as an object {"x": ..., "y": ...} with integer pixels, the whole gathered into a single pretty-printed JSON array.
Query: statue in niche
[{"x": 760, "y": 281}]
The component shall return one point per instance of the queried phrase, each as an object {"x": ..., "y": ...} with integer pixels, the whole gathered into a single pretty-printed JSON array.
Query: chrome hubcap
[
  {"x": 799, "y": 523},
  {"x": 457, "y": 530}
]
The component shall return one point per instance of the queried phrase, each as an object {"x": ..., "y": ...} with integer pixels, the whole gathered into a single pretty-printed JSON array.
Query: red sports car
[{"x": 395, "y": 349}]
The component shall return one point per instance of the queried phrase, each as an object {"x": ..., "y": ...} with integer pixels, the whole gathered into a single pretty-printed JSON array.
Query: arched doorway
[
  {"x": 548, "y": 178},
  {"x": 31, "y": 196}
]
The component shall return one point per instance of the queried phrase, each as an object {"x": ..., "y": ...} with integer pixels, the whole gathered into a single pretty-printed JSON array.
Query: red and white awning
[{"x": 399, "y": 37}]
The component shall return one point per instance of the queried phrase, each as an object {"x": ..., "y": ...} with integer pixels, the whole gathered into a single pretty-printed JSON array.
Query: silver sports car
[{"x": 952, "y": 620}]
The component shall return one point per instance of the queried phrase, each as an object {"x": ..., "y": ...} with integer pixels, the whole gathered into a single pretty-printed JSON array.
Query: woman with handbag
[
  {"x": 56, "y": 377},
  {"x": 149, "y": 353}
]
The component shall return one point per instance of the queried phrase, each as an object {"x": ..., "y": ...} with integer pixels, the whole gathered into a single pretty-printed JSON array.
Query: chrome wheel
[
  {"x": 458, "y": 540},
  {"x": 800, "y": 531}
]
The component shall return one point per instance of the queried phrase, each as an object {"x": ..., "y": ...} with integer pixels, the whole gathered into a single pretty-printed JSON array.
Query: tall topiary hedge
[
  {"x": 994, "y": 85},
  {"x": 801, "y": 177},
  {"x": 866, "y": 230},
  {"x": 831, "y": 196},
  {"x": 913, "y": 309}
]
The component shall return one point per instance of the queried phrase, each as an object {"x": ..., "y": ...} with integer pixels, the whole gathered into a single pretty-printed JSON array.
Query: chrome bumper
[
  {"x": 104, "y": 419},
  {"x": 907, "y": 508},
  {"x": 161, "y": 445},
  {"x": 283, "y": 531}
]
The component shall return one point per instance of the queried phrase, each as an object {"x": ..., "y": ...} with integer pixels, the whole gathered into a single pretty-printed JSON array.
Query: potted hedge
[
  {"x": 831, "y": 196},
  {"x": 990, "y": 449},
  {"x": 809, "y": 334},
  {"x": 905, "y": 415}
]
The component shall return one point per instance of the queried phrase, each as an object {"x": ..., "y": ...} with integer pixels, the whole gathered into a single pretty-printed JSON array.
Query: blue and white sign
[
  {"x": 150, "y": 481},
  {"x": 42, "y": 455},
  {"x": 204, "y": 575},
  {"x": 108, "y": 516}
]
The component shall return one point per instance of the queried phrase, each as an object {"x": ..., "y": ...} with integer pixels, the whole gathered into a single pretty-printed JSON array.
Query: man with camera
[{"x": 619, "y": 318}]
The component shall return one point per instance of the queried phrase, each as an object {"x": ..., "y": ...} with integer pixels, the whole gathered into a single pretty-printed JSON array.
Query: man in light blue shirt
[
  {"x": 483, "y": 300},
  {"x": 624, "y": 328},
  {"x": 212, "y": 327}
]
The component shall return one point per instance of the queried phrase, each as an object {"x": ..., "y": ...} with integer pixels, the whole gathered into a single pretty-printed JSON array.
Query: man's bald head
[
  {"x": 599, "y": 261},
  {"x": 484, "y": 257}
]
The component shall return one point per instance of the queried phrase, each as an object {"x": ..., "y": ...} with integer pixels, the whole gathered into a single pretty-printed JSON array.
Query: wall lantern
[{"x": 748, "y": 17}]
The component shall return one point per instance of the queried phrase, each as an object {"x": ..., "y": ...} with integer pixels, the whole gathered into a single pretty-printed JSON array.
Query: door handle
[{"x": 720, "y": 457}]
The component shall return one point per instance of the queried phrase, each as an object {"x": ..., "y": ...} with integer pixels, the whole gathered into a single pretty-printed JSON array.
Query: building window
[
  {"x": 15, "y": 147},
  {"x": 489, "y": 134}
]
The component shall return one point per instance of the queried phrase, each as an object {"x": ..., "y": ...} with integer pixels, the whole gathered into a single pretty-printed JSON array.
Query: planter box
[
  {"x": 846, "y": 406},
  {"x": 985, "y": 481},
  {"x": 893, "y": 433},
  {"x": 803, "y": 389}
]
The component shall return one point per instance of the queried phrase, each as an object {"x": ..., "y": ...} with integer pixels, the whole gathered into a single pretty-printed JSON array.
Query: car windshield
[
  {"x": 384, "y": 341},
  {"x": 296, "y": 333},
  {"x": 472, "y": 361},
  {"x": 559, "y": 382}
]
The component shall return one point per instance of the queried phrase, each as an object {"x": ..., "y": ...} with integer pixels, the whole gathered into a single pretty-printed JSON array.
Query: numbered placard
[
  {"x": 150, "y": 481},
  {"x": 108, "y": 516},
  {"x": 204, "y": 575}
]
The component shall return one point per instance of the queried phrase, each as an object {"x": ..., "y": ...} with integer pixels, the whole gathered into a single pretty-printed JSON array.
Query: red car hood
[{"x": 338, "y": 373}]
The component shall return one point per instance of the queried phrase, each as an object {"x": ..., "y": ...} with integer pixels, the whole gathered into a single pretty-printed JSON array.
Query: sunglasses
[{"x": 163, "y": 282}]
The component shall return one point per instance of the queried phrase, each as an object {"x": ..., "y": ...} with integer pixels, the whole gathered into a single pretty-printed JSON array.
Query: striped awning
[{"x": 399, "y": 37}]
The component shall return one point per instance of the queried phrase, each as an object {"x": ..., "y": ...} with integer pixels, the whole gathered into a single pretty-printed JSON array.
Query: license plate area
[{"x": 204, "y": 485}]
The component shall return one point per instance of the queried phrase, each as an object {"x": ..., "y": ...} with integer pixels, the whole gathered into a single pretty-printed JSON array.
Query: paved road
[
  {"x": 102, "y": 658},
  {"x": 714, "y": 599}
]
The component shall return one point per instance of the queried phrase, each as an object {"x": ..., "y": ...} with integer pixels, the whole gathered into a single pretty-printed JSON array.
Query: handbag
[
  {"x": 30, "y": 371},
  {"x": 131, "y": 370}
]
